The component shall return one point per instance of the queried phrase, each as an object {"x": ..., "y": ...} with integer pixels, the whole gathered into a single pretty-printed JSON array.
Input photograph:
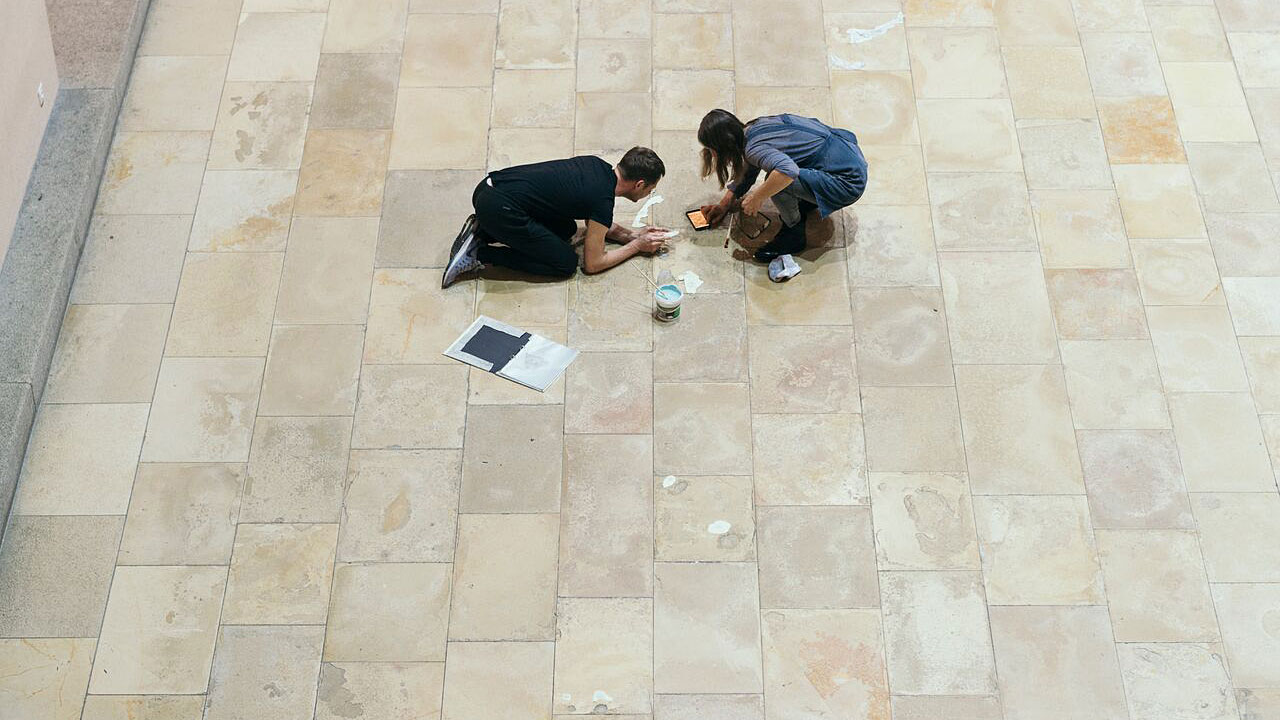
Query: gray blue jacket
[{"x": 827, "y": 160}]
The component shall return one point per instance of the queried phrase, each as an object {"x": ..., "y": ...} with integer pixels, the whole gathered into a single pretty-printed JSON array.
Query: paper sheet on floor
[{"x": 511, "y": 353}]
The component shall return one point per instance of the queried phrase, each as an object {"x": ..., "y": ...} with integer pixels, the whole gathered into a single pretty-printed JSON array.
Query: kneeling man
[{"x": 526, "y": 216}]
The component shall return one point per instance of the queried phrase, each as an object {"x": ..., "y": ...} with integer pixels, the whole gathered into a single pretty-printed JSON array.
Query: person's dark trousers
[{"x": 528, "y": 245}]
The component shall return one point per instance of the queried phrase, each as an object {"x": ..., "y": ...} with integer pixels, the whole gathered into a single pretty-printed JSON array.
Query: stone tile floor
[{"x": 1000, "y": 452}]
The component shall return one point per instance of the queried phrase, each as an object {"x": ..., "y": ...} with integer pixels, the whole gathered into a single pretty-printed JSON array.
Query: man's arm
[
  {"x": 595, "y": 258},
  {"x": 619, "y": 235}
]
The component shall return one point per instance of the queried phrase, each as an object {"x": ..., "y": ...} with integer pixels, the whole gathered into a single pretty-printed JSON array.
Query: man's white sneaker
[{"x": 463, "y": 260}]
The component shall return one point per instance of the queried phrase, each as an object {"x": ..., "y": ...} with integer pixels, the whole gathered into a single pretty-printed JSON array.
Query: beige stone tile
[
  {"x": 1156, "y": 586},
  {"x": 451, "y": 6},
  {"x": 388, "y": 414},
  {"x": 609, "y": 393},
  {"x": 956, "y": 63},
  {"x": 509, "y": 147},
  {"x": 901, "y": 337},
  {"x": 1096, "y": 304},
  {"x": 189, "y": 27},
  {"x": 912, "y": 429},
  {"x": 867, "y": 41},
  {"x": 614, "y": 19},
  {"x": 411, "y": 320},
  {"x": 813, "y": 459},
  {"x": 1064, "y": 155},
  {"x": 1158, "y": 201},
  {"x": 244, "y": 211},
  {"x": 936, "y": 633},
  {"x": 606, "y": 523},
  {"x": 1262, "y": 360},
  {"x": 682, "y": 97},
  {"x": 132, "y": 259},
  {"x": 692, "y": 6},
  {"x": 107, "y": 354},
  {"x": 803, "y": 369},
  {"x": 45, "y": 678},
  {"x": 356, "y": 91},
  {"x": 1196, "y": 349},
  {"x": 1271, "y": 434},
  {"x": 1243, "y": 243},
  {"x": 1177, "y": 273},
  {"x": 1209, "y": 102},
  {"x": 765, "y": 57},
  {"x": 159, "y": 630},
  {"x": 520, "y": 302},
  {"x": 260, "y": 126},
  {"x": 284, "y": 6},
  {"x": 694, "y": 42},
  {"x": 485, "y": 388},
  {"x": 1038, "y": 550},
  {"x": 440, "y": 129},
  {"x": 1264, "y": 105},
  {"x": 327, "y": 271},
  {"x": 604, "y": 655},
  {"x": 536, "y": 35},
  {"x": 925, "y": 707},
  {"x": 702, "y": 428},
  {"x": 1036, "y": 22},
  {"x": 1238, "y": 15},
  {"x": 43, "y": 556},
  {"x": 534, "y": 98},
  {"x": 901, "y": 180},
  {"x": 1114, "y": 384},
  {"x": 1110, "y": 16},
  {"x": 706, "y": 628},
  {"x": 224, "y": 304},
  {"x": 1048, "y": 82},
  {"x": 400, "y": 506},
  {"x": 1220, "y": 442},
  {"x": 153, "y": 174},
  {"x": 997, "y": 308},
  {"x": 598, "y": 323},
  {"x": 923, "y": 521},
  {"x": 708, "y": 707},
  {"x": 614, "y": 65},
  {"x": 173, "y": 93},
  {"x": 1257, "y": 704},
  {"x": 704, "y": 519},
  {"x": 1165, "y": 680},
  {"x": 891, "y": 246},
  {"x": 817, "y": 296},
  {"x": 1254, "y": 55},
  {"x": 1122, "y": 64},
  {"x": 365, "y": 26},
  {"x": 487, "y": 679},
  {"x": 1005, "y": 225},
  {"x": 182, "y": 514},
  {"x": 203, "y": 410},
  {"x": 1017, "y": 429},
  {"x": 284, "y": 47},
  {"x": 968, "y": 135},
  {"x": 824, "y": 663},
  {"x": 1140, "y": 130},
  {"x": 1080, "y": 228},
  {"x": 297, "y": 468},
  {"x": 709, "y": 343},
  {"x": 756, "y": 101},
  {"x": 312, "y": 370},
  {"x": 816, "y": 557},
  {"x": 1188, "y": 33},
  {"x": 1244, "y": 612},
  {"x": 609, "y": 124},
  {"x": 289, "y": 656},
  {"x": 512, "y": 461},
  {"x": 146, "y": 707},
  {"x": 1235, "y": 535},
  {"x": 1232, "y": 177},
  {"x": 71, "y": 444},
  {"x": 1134, "y": 479},
  {"x": 949, "y": 13},
  {"x": 396, "y": 691},
  {"x": 394, "y": 612},
  {"x": 504, "y": 578},
  {"x": 280, "y": 575},
  {"x": 343, "y": 173},
  {"x": 1045, "y": 655},
  {"x": 449, "y": 51}
]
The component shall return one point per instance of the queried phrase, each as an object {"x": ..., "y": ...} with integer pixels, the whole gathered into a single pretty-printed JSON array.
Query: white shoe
[{"x": 462, "y": 260}]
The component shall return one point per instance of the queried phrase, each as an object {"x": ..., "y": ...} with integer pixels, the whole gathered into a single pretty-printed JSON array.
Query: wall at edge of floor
[{"x": 26, "y": 61}]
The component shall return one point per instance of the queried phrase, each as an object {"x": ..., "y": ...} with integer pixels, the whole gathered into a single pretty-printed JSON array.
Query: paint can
[{"x": 668, "y": 298}]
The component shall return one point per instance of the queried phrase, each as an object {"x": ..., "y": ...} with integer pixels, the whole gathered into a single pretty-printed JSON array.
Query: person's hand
[
  {"x": 751, "y": 204},
  {"x": 714, "y": 213},
  {"x": 649, "y": 242}
]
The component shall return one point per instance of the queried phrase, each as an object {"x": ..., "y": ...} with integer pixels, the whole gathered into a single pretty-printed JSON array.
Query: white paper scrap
[
  {"x": 691, "y": 281},
  {"x": 642, "y": 217}
]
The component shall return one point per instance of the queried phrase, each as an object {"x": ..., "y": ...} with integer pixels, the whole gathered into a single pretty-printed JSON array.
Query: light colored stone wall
[{"x": 26, "y": 61}]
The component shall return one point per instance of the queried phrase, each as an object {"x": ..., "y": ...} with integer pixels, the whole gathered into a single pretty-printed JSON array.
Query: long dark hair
[{"x": 723, "y": 141}]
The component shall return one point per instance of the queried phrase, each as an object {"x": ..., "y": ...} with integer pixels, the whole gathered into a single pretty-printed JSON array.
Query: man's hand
[{"x": 650, "y": 240}]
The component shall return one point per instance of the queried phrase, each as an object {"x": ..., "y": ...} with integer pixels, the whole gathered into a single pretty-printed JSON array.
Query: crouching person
[{"x": 526, "y": 216}]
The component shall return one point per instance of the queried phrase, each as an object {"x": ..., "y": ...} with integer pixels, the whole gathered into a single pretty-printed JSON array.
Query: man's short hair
[{"x": 641, "y": 163}]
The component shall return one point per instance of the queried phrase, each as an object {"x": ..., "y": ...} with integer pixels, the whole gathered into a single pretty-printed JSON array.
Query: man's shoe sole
[{"x": 451, "y": 273}]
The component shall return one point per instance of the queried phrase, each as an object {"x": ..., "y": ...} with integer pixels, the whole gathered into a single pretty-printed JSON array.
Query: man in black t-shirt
[{"x": 526, "y": 216}]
